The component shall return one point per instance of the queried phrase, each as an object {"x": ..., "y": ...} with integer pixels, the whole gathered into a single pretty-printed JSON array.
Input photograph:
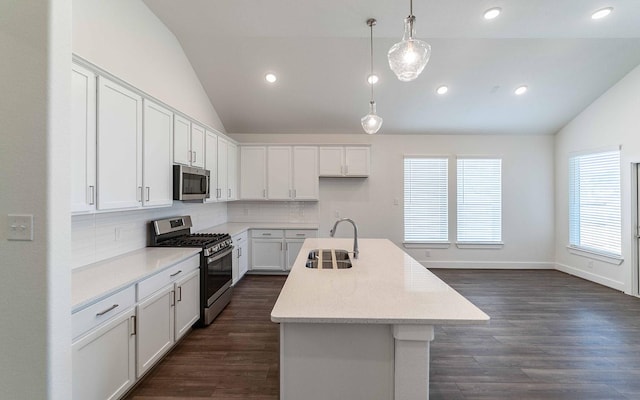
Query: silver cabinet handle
[
  {"x": 295, "y": 194},
  {"x": 218, "y": 193},
  {"x": 346, "y": 170},
  {"x": 173, "y": 298},
  {"x": 139, "y": 194},
  {"x": 195, "y": 156},
  {"x": 92, "y": 195},
  {"x": 264, "y": 193},
  {"x": 229, "y": 193},
  {"x": 239, "y": 252},
  {"x": 301, "y": 234},
  {"x": 172, "y": 275},
  {"x": 148, "y": 193},
  {"x": 179, "y": 293},
  {"x": 281, "y": 246},
  {"x": 290, "y": 195},
  {"x": 133, "y": 324},
  {"x": 266, "y": 234},
  {"x": 101, "y": 313},
  {"x": 190, "y": 156}
]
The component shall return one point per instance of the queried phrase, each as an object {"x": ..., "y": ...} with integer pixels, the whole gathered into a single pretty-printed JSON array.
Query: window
[
  {"x": 594, "y": 203},
  {"x": 426, "y": 199},
  {"x": 479, "y": 200}
]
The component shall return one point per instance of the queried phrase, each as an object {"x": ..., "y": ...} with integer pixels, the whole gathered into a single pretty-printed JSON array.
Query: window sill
[
  {"x": 615, "y": 260},
  {"x": 426, "y": 245},
  {"x": 480, "y": 245}
]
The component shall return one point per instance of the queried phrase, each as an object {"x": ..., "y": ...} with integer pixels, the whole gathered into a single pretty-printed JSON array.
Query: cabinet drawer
[
  {"x": 267, "y": 233},
  {"x": 240, "y": 238},
  {"x": 92, "y": 316},
  {"x": 300, "y": 233},
  {"x": 163, "y": 278}
]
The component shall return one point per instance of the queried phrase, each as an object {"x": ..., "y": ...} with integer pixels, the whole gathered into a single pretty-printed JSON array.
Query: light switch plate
[{"x": 20, "y": 227}]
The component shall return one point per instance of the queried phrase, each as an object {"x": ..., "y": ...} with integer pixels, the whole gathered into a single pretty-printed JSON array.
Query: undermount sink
[{"x": 328, "y": 259}]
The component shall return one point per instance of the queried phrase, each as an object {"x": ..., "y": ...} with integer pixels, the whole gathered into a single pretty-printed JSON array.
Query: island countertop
[{"x": 384, "y": 286}]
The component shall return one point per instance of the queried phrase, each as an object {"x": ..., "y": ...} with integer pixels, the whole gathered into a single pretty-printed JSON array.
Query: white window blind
[
  {"x": 479, "y": 213},
  {"x": 594, "y": 203},
  {"x": 426, "y": 199}
]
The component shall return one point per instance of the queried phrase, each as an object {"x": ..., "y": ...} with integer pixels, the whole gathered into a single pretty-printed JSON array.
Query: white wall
[
  {"x": 126, "y": 39},
  {"x": 528, "y": 186},
  {"x": 612, "y": 120},
  {"x": 35, "y": 43}
]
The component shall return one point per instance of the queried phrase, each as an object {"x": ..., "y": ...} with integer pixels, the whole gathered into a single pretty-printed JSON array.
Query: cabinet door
[
  {"x": 211, "y": 164},
  {"x": 356, "y": 161},
  {"x": 232, "y": 171},
  {"x": 197, "y": 146},
  {"x": 253, "y": 172},
  {"x": 240, "y": 256},
  {"x": 155, "y": 328},
  {"x": 267, "y": 254},
  {"x": 157, "y": 175},
  {"x": 305, "y": 173},
  {"x": 119, "y": 147},
  {"x": 187, "y": 303},
  {"x": 181, "y": 140},
  {"x": 279, "y": 173},
  {"x": 331, "y": 161},
  {"x": 243, "y": 260},
  {"x": 293, "y": 247},
  {"x": 103, "y": 361},
  {"x": 83, "y": 140},
  {"x": 223, "y": 165}
]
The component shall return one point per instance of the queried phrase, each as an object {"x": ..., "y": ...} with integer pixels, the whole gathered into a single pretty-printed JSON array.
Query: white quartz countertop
[
  {"x": 96, "y": 281},
  {"x": 385, "y": 286},
  {"x": 233, "y": 228}
]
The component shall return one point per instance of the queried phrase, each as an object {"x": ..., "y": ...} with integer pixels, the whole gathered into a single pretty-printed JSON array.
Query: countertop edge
[{"x": 379, "y": 321}]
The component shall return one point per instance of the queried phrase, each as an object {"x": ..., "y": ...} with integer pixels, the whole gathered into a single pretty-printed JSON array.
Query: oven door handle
[{"x": 216, "y": 257}]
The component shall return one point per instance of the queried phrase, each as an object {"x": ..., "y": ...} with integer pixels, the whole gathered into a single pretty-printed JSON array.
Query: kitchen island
[{"x": 362, "y": 332}]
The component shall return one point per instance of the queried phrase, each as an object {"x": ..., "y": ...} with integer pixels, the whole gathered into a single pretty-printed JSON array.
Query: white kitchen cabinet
[
  {"x": 276, "y": 249},
  {"x": 119, "y": 147},
  {"x": 161, "y": 319},
  {"x": 305, "y": 173},
  {"x": 157, "y": 142},
  {"x": 279, "y": 164},
  {"x": 253, "y": 172},
  {"x": 232, "y": 171},
  {"x": 344, "y": 161},
  {"x": 188, "y": 143},
  {"x": 223, "y": 170},
  {"x": 83, "y": 139},
  {"x": 103, "y": 360},
  {"x": 211, "y": 164},
  {"x": 187, "y": 303},
  {"x": 240, "y": 261}
]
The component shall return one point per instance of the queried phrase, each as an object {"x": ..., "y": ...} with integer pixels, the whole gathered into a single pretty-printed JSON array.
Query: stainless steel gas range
[{"x": 215, "y": 261}]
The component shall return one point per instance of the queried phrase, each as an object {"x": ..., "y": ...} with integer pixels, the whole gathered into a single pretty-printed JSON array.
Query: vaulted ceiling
[{"x": 319, "y": 51}]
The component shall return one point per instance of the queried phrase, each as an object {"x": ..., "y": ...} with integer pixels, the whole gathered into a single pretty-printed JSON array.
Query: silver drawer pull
[
  {"x": 266, "y": 234},
  {"x": 172, "y": 275},
  {"x": 101, "y": 313},
  {"x": 300, "y": 234}
]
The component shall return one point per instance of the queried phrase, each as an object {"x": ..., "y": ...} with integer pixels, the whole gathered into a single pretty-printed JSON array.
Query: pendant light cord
[
  {"x": 371, "y": 48},
  {"x": 410, "y": 7}
]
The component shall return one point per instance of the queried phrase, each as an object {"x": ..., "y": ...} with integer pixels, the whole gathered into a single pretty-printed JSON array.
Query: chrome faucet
[{"x": 332, "y": 232}]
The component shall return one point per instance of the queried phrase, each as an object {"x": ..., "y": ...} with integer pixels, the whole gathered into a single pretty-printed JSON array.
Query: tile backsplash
[
  {"x": 277, "y": 211},
  {"x": 96, "y": 237}
]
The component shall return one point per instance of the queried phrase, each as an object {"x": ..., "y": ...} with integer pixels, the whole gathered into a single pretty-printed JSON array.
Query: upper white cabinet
[
  {"x": 188, "y": 143},
  {"x": 341, "y": 161},
  {"x": 211, "y": 164},
  {"x": 223, "y": 167},
  {"x": 119, "y": 146},
  {"x": 279, "y": 173},
  {"x": 157, "y": 175},
  {"x": 253, "y": 172},
  {"x": 232, "y": 171},
  {"x": 83, "y": 139},
  {"x": 221, "y": 159}
]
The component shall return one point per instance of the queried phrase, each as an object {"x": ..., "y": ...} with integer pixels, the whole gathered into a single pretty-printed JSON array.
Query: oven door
[{"x": 218, "y": 275}]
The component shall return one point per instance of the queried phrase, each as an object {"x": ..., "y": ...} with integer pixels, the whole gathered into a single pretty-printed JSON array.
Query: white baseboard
[
  {"x": 591, "y": 277},
  {"x": 488, "y": 264}
]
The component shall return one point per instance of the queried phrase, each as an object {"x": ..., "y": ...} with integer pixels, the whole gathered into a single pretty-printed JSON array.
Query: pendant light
[
  {"x": 408, "y": 57},
  {"x": 371, "y": 122}
]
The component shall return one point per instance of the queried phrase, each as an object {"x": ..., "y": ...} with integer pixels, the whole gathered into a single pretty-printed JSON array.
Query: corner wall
[
  {"x": 612, "y": 120},
  {"x": 528, "y": 185}
]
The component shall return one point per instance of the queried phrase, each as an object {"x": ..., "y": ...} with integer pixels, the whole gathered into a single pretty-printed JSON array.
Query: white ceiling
[{"x": 320, "y": 53}]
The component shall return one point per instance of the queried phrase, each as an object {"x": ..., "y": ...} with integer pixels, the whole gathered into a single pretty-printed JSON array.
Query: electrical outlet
[{"x": 20, "y": 227}]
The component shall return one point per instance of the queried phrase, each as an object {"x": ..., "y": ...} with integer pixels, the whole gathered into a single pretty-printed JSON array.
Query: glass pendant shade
[
  {"x": 371, "y": 122},
  {"x": 408, "y": 58}
]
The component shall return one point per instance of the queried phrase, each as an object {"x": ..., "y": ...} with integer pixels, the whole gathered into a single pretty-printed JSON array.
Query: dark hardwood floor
[{"x": 552, "y": 336}]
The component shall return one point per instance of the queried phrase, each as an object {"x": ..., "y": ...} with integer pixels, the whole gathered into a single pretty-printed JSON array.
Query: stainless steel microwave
[{"x": 190, "y": 183}]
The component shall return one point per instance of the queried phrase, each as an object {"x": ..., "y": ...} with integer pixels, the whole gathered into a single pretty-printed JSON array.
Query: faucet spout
[{"x": 332, "y": 232}]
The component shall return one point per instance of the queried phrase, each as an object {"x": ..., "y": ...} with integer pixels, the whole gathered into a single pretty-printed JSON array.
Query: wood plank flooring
[{"x": 552, "y": 336}]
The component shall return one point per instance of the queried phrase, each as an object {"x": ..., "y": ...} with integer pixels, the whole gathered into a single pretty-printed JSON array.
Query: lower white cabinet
[
  {"x": 103, "y": 361},
  {"x": 187, "y": 303},
  {"x": 240, "y": 261},
  {"x": 276, "y": 249}
]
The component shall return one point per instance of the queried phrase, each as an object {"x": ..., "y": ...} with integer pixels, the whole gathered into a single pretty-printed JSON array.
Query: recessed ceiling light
[
  {"x": 521, "y": 90},
  {"x": 492, "y": 13},
  {"x": 601, "y": 13},
  {"x": 442, "y": 89},
  {"x": 271, "y": 78},
  {"x": 372, "y": 79}
]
